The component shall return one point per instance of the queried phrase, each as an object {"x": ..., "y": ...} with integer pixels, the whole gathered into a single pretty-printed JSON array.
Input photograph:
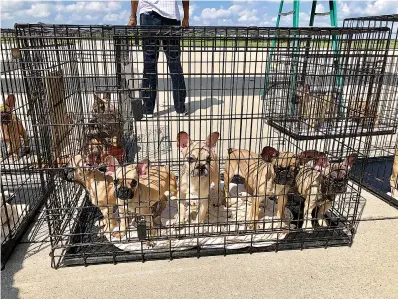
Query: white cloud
[
  {"x": 214, "y": 14},
  {"x": 235, "y": 8},
  {"x": 320, "y": 8},
  {"x": 41, "y": 10},
  {"x": 89, "y": 7},
  {"x": 117, "y": 18},
  {"x": 247, "y": 16},
  {"x": 6, "y": 16}
]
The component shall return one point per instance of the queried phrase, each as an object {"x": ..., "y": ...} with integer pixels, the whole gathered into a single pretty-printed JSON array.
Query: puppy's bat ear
[
  {"x": 111, "y": 164},
  {"x": 349, "y": 161},
  {"x": 308, "y": 156},
  {"x": 142, "y": 167},
  {"x": 183, "y": 140},
  {"x": 321, "y": 162},
  {"x": 10, "y": 101},
  {"x": 269, "y": 153},
  {"x": 212, "y": 139},
  {"x": 106, "y": 96},
  {"x": 98, "y": 99}
]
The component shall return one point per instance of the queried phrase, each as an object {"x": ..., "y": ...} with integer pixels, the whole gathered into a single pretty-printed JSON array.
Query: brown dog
[
  {"x": 258, "y": 177},
  {"x": 9, "y": 219},
  {"x": 286, "y": 167},
  {"x": 363, "y": 113},
  {"x": 12, "y": 128},
  {"x": 140, "y": 187},
  {"x": 106, "y": 123},
  {"x": 200, "y": 170},
  {"x": 321, "y": 182},
  {"x": 308, "y": 184},
  {"x": 316, "y": 108},
  {"x": 394, "y": 176},
  {"x": 98, "y": 184}
]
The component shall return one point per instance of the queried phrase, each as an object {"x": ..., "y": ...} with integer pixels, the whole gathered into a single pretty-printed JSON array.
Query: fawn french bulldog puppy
[
  {"x": 98, "y": 183},
  {"x": 141, "y": 186},
  {"x": 12, "y": 128},
  {"x": 199, "y": 171},
  {"x": 286, "y": 166},
  {"x": 258, "y": 176},
  {"x": 394, "y": 176}
]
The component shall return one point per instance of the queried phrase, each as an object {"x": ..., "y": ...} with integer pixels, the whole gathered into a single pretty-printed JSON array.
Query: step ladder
[{"x": 296, "y": 24}]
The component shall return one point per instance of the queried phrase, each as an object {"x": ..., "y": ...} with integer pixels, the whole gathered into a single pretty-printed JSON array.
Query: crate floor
[
  {"x": 89, "y": 246},
  {"x": 376, "y": 178},
  {"x": 299, "y": 130}
]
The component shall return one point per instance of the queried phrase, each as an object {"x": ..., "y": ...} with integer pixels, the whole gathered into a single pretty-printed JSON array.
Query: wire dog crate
[
  {"x": 109, "y": 98},
  {"x": 379, "y": 177},
  {"x": 22, "y": 187},
  {"x": 318, "y": 87}
]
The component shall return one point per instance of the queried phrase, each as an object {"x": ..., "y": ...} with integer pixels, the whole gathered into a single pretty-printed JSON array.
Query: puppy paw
[
  {"x": 150, "y": 244},
  {"x": 322, "y": 223},
  {"x": 307, "y": 226},
  {"x": 118, "y": 235}
]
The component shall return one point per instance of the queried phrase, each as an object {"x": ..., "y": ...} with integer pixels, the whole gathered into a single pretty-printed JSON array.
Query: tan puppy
[
  {"x": 319, "y": 182},
  {"x": 9, "y": 219},
  {"x": 98, "y": 184},
  {"x": 199, "y": 171},
  {"x": 316, "y": 108},
  {"x": 286, "y": 167},
  {"x": 106, "y": 123},
  {"x": 258, "y": 176},
  {"x": 308, "y": 184},
  {"x": 141, "y": 187},
  {"x": 394, "y": 176},
  {"x": 12, "y": 128},
  {"x": 363, "y": 114}
]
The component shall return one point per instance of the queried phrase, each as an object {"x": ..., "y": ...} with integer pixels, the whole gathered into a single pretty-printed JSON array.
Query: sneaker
[{"x": 184, "y": 112}]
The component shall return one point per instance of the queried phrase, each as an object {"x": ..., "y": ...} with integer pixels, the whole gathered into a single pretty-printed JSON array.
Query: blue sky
[{"x": 227, "y": 13}]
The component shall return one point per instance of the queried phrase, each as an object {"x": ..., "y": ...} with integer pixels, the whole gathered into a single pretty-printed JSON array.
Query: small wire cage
[
  {"x": 165, "y": 142},
  {"x": 320, "y": 87},
  {"x": 379, "y": 176},
  {"x": 22, "y": 187}
]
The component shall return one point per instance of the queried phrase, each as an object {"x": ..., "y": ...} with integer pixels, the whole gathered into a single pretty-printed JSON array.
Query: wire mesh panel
[
  {"x": 320, "y": 87},
  {"x": 379, "y": 176},
  {"x": 159, "y": 146},
  {"x": 22, "y": 187}
]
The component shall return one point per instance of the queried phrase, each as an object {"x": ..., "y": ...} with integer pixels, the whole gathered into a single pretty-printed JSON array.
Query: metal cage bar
[
  {"x": 108, "y": 98},
  {"x": 23, "y": 188},
  {"x": 378, "y": 166}
]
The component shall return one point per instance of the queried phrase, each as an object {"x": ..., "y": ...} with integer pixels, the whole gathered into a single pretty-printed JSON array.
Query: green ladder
[{"x": 296, "y": 23}]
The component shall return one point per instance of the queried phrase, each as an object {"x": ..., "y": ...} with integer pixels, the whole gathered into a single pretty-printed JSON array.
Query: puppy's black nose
[
  {"x": 69, "y": 175},
  {"x": 102, "y": 168},
  {"x": 124, "y": 193}
]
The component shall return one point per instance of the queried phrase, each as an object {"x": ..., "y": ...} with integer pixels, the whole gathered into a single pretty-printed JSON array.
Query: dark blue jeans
[{"x": 172, "y": 50}]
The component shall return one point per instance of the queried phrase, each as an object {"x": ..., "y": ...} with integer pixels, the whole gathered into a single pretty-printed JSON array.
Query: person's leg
[
  {"x": 172, "y": 49},
  {"x": 150, "y": 73}
]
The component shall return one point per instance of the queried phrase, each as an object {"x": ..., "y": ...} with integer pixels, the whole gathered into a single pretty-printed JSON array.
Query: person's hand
[
  {"x": 132, "y": 22},
  {"x": 185, "y": 22}
]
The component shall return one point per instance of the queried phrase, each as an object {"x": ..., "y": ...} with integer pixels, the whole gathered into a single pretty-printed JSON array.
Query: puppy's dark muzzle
[
  {"x": 68, "y": 174},
  {"x": 124, "y": 193},
  {"x": 6, "y": 117},
  {"x": 336, "y": 186},
  {"x": 284, "y": 176},
  {"x": 200, "y": 171}
]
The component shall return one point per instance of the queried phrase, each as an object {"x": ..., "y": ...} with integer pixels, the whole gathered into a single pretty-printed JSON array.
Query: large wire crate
[
  {"x": 319, "y": 87},
  {"x": 22, "y": 186},
  {"x": 378, "y": 174},
  {"x": 102, "y": 211}
]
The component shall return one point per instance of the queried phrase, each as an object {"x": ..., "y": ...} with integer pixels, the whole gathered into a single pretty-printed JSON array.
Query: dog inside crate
[{"x": 248, "y": 166}]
